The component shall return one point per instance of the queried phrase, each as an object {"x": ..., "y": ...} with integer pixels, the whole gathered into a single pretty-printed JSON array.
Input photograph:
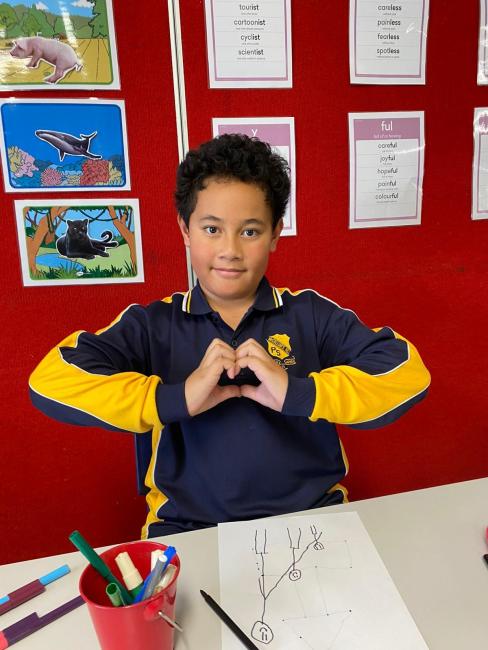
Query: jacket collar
[{"x": 267, "y": 298}]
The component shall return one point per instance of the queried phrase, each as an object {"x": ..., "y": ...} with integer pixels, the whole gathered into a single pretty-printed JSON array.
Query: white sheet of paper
[
  {"x": 386, "y": 168},
  {"x": 279, "y": 132},
  {"x": 249, "y": 44},
  {"x": 483, "y": 45},
  {"x": 387, "y": 41},
  {"x": 311, "y": 582},
  {"x": 479, "y": 192}
]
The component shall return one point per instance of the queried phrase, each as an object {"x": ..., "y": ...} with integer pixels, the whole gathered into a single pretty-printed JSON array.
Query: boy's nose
[{"x": 231, "y": 248}]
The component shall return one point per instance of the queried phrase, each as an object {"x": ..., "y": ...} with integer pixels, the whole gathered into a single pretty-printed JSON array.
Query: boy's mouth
[{"x": 228, "y": 273}]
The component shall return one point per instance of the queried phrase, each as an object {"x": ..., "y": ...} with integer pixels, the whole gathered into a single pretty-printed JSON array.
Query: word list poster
[
  {"x": 482, "y": 45},
  {"x": 386, "y": 163},
  {"x": 480, "y": 165},
  {"x": 249, "y": 44},
  {"x": 387, "y": 41}
]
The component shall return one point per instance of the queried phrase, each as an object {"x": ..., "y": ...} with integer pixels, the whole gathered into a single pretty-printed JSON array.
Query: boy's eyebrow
[{"x": 246, "y": 222}]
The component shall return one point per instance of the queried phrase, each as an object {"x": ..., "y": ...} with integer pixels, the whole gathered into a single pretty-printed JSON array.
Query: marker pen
[
  {"x": 166, "y": 579},
  {"x": 34, "y": 622},
  {"x": 31, "y": 589},
  {"x": 130, "y": 575},
  {"x": 154, "y": 556},
  {"x": 167, "y": 574},
  {"x": 98, "y": 564},
  {"x": 113, "y": 592}
]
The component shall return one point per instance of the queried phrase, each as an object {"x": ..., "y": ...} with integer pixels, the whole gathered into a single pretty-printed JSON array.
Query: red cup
[{"x": 133, "y": 627}]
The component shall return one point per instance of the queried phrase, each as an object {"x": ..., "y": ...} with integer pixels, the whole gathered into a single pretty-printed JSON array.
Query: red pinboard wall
[{"x": 428, "y": 282}]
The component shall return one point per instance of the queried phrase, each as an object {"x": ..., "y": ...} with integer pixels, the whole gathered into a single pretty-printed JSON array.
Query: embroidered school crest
[{"x": 279, "y": 348}]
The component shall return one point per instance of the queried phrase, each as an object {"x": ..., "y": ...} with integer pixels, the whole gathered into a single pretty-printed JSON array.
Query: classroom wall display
[
  {"x": 387, "y": 41},
  {"x": 63, "y": 144},
  {"x": 89, "y": 241},
  {"x": 57, "y": 45},
  {"x": 479, "y": 192},
  {"x": 386, "y": 168},
  {"x": 279, "y": 132},
  {"x": 249, "y": 44},
  {"x": 482, "y": 45}
]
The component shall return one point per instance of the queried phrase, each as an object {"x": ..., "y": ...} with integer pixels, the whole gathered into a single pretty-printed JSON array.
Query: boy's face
[{"x": 230, "y": 237}]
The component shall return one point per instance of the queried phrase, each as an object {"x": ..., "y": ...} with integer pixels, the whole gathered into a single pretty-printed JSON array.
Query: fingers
[
  {"x": 252, "y": 348},
  {"x": 274, "y": 379},
  {"x": 251, "y": 392},
  {"x": 218, "y": 357},
  {"x": 257, "y": 365},
  {"x": 215, "y": 350},
  {"x": 251, "y": 354},
  {"x": 201, "y": 387}
]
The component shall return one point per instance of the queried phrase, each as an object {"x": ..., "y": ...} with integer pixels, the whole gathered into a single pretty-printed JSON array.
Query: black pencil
[{"x": 228, "y": 621}]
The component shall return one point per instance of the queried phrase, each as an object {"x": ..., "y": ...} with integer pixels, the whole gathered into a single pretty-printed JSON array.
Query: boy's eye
[
  {"x": 211, "y": 229},
  {"x": 250, "y": 232}
]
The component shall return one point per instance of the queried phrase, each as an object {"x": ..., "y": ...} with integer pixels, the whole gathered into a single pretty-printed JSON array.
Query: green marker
[
  {"x": 113, "y": 592},
  {"x": 98, "y": 564}
]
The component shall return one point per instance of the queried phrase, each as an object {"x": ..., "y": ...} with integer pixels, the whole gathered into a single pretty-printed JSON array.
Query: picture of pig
[{"x": 61, "y": 55}]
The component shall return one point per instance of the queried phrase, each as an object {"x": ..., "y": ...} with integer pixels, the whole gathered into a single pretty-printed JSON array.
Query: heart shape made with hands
[{"x": 245, "y": 376}]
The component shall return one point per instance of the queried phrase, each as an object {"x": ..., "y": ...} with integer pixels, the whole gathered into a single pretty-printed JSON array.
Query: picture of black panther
[{"x": 76, "y": 242}]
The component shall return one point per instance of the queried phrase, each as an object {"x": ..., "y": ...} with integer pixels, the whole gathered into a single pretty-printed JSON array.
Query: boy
[{"x": 239, "y": 382}]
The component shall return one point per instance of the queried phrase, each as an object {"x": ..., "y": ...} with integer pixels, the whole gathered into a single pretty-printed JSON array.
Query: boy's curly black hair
[{"x": 233, "y": 156}]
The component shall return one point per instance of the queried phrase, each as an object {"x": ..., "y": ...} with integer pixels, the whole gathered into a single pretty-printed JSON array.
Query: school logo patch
[{"x": 279, "y": 348}]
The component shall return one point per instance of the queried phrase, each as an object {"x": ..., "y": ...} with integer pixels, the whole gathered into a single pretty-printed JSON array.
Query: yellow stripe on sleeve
[
  {"x": 125, "y": 400},
  {"x": 346, "y": 395}
]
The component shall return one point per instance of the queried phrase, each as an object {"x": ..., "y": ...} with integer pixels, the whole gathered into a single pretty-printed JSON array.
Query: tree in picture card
[{"x": 87, "y": 241}]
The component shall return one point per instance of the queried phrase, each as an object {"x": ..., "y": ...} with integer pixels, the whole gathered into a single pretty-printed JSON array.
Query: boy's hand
[
  {"x": 201, "y": 388},
  {"x": 274, "y": 380}
]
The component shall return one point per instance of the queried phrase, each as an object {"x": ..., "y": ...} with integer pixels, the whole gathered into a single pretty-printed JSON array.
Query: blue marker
[
  {"x": 154, "y": 577},
  {"x": 54, "y": 575},
  {"x": 30, "y": 590}
]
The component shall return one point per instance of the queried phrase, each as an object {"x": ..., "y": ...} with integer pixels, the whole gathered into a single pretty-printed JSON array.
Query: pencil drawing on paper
[
  {"x": 298, "y": 569},
  {"x": 313, "y": 582}
]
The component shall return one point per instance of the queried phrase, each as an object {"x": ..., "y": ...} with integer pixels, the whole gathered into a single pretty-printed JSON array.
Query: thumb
[
  {"x": 249, "y": 391},
  {"x": 227, "y": 392}
]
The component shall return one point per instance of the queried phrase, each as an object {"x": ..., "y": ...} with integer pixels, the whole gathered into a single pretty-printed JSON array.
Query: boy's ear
[
  {"x": 184, "y": 231},
  {"x": 276, "y": 235}
]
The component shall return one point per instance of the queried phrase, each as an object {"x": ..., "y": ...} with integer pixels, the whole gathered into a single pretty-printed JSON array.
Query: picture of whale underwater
[{"x": 63, "y": 145}]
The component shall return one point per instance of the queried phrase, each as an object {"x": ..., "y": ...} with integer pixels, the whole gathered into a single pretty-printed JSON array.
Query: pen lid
[
  {"x": 54, "y": 575},
  {"x": 113, "y": 592},
  {"x": 130, "y": 574},
  {"x": 154, "y": 556}
]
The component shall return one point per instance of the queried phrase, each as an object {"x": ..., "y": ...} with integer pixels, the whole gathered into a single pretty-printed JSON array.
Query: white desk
[{"x": 431, "y": 541}]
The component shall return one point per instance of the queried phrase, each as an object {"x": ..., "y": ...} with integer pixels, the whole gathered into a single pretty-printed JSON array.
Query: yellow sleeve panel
[
  {"x": 124, "y": 400},
  {"x": 347, "y": 395}
]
